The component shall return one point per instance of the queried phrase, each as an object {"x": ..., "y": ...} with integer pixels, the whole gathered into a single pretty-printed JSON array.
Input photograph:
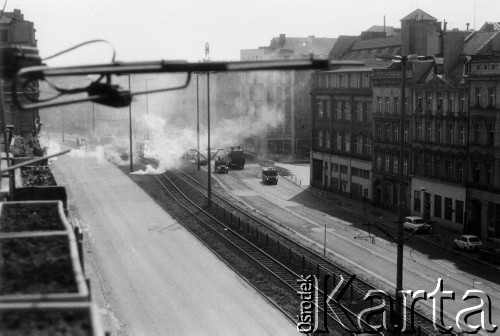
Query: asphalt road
[
  {"x": 148, "y": 274},
  {"x": 371, "y": 255}
]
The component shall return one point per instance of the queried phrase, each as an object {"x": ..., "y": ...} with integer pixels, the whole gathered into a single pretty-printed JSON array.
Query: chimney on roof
[
  {"x": 467, "y": 24},
  {"x": 282, "y": 39}
]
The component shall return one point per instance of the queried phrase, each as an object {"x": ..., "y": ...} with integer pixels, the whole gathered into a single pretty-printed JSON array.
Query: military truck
[
  {"x": 235, "y": 158},
  {"x": 269, "y": 175},
  {"x": 221, "y": 166}
]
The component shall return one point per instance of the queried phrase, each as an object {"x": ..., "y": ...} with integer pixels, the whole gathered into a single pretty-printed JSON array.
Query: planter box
[
  {"x": 52, "y": 193},
  {"x": 17, "y": 160},
  {"x": 65, "y": 318},
  {"x": 32, "y": 216},
  {"x": 41, "y": 267},
  {"x": 34, "y": 176},
  {"x": 39, "y": 257}
]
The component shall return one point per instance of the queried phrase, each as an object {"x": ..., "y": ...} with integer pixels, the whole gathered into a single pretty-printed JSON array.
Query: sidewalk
[{"x": 440, "y": 236}]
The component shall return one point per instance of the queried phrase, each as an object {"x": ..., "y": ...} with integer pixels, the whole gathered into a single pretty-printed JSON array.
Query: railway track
[{"x": 279, "y": 255}]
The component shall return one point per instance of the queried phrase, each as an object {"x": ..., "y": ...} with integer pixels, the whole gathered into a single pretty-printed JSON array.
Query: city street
[
  {"x": 373, "y": 256},
  {"x": 148, "y": 274}
]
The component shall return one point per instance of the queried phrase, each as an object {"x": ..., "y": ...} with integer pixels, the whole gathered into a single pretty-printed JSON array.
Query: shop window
[{"x": 448, "y": 208}]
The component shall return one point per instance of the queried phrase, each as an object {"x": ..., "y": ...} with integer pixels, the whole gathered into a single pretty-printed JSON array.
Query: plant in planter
[
  {"x": 48, "y": 319},
  {"x": 26, "y": 148},
  {"x": 38, "y": 254},
  {"x": 32, "y": 176}
]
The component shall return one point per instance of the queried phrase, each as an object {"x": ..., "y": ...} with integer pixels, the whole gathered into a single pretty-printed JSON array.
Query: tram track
[{"x": 292, "y": 258}]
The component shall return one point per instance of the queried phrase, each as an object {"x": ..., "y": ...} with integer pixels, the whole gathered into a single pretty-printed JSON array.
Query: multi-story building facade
[
  {"x": 482, "y": 74},
  {"x": 386, "y": 133},
  {"x": 342, "y": 114},
  {"x": 15, "y": 30},
  {"x": 341, "y": 131},
  {"x": 282, "y": 93}
]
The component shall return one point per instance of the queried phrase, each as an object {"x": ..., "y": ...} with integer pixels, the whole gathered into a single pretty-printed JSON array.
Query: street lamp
[
  {"x": 401, "y": 206},
  {"x": 147, "y": 108},
  {"x": 130, "y": 126},
  {"x": 198, "y": 119}
]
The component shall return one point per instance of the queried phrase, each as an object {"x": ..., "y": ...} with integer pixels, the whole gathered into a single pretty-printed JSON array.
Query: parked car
[
  {"x": 468, "y": 243},
  {"x": 414, "y": 223}
]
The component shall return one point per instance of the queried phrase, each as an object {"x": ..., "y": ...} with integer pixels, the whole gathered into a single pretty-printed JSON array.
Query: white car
[
  {"x": 414, "y": 223},
  {"x": 468, "y": 243}
]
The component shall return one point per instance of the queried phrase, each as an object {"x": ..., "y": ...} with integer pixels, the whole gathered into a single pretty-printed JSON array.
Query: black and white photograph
[{"x": 249, "y": 167}]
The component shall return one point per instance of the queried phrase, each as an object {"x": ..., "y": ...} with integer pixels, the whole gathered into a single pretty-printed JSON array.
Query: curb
[{"x": 415, "y": 236}]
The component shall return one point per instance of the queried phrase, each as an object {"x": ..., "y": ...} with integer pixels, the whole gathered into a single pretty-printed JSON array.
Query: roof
[
  {"x": 382, "y": 42},
  {"x": 418, "y": 15},
  {"x": 389, "y": 30},
  {"x": 318, "y": 46},
  {"x": 475, "y": 42}
]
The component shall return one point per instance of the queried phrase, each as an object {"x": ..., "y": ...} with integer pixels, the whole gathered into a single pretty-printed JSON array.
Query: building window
[
  {"x": 396, "y": 132},
  {"x": 491, "y": 97},
  {"x": 417, "y": 201},
  {"x": 379, "y": 131},
  {"x": 320, "y": 112},
  {"x": 387, "y": 163},
  {"x": 396, "y": 105},
  {"x": 327, "y": 138},
  {"x": 379, "y": 104},
  {"x": 340, "y": 106},
  {"x": 320, "y": 138},
  {"x": 396, "y": 161},
  {"x": 448, "y": 208},
  {"x": 418, "y": 130},
  {"x": 387, "y": 132},
  {"x": 451, "y": 101},
  {"x": 461, "y": 134},
  {"x": 365, "y": 112},
  {"x": 462, "y": 102},
  {"x": 449, "y": 170},
  {"x": 386, "y": 105},
  {"x": 368, "y": 146},
  {"x": 343, "y": 169},
  {"x": 347, "y": 110},
  {"x": 405, "y": 166},
  {"x": 429, "y": 101},
  {"x": 437, "y": 167},
  {"x": 428, "y": 131},
  {"x": 440, "y": 101},
  {"x": 406, "y": 134},
  {"x": 477, "y": 133},
  {"x": 419, "y": 100},
  {"x": 459, "y": 212},
  {"x": 4, "y": 35},
  {"x": 460, "y": 172},
  {"x": 476, "y": 171},
  {"x": 339, "y": 140},
  {"x": 451, "y": 134},
  {"x": 379, "y": 161},
  {"x": 477, "y": 97},
  {"x": 358, "y": 146},
  {"x": 437, "y": 206},
  {"x": 490, "y": 135},
  {"x": 489, "y": 173},
  {"x": 438, "y": 132}
]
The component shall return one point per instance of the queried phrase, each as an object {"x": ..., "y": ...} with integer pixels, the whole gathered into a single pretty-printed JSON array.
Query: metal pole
[
  {"x": 400, "y": 241},
  {"x": 130, "y": 127},
  {"x": 324, "y": 243},
  {"x": 62, "y": 124},
  {"x": 147, "y": 111},
  {"x": 6, "y": 141},
  {"x": 93, "y": 120},
  {"x": 209, "y": 168},
  {"x": 198, "y": 121}
]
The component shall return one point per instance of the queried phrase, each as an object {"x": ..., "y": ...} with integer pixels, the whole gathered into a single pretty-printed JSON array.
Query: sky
[{"x": 151, "y": 30}]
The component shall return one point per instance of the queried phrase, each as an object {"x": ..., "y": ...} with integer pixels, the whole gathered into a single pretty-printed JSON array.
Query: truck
[
  {"x": 221, "y": 166},
  {"x": 269, "y": 175},
  {"x": 235, "y": 157}
]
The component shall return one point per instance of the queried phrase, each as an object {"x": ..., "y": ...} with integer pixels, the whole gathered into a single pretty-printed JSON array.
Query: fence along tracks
[{"x": 279, "y": 255}]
